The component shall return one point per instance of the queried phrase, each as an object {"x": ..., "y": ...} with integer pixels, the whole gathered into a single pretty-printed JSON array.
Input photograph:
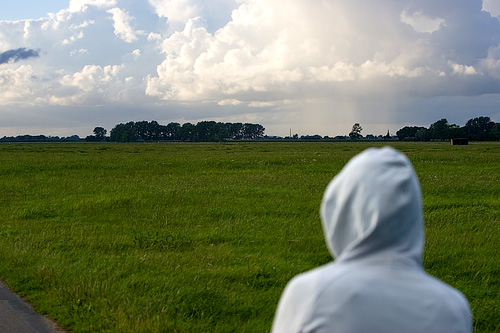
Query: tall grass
[{"x": 203, "y": 237}]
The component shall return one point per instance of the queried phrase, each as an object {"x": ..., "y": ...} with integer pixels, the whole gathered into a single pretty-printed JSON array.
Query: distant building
[{"x": 459, "y": 141}]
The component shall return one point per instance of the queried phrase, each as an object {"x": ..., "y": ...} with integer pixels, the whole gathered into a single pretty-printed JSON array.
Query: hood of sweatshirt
[{"x": 372, "y": 209}]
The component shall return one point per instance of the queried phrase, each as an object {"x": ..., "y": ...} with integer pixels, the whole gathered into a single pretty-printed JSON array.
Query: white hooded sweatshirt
[{"x": 373, "y": 225}]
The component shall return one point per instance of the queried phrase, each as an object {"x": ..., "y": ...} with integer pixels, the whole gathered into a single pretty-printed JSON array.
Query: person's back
[{"x": 372, "y": 220}]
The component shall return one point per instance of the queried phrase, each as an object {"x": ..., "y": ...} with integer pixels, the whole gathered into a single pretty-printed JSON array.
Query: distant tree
[
  {"x": 408, "y": 133},
  {"x": 123, "y": 133},
  {"x": 356, "y": 132},
  {"x": 33, "y": 138},
  {"x": 495, "y": 131},
  {"x": 141, "y": 130},
  {"x": 188, "y": 132},
  {"x": 146, "y": 131},
  {"x": 210, "y": 131},
  {"x": 315, "y": 137},
  {"x": 479, "y": 129},
  {"x": 455, "y": 131},
  {"x": 439, "y": 130},
  {"x": 100, "y": 133},
  {"x": 172, "y": 131},
  {"x": 253, "y": 131},
  {"x": 423, "y": 134},
  {"x": 71, "y": 138},
  {"x": 154, "y": 130},
  {"x": 202, "y": 131},
  {"x": 235, "y": 131}
]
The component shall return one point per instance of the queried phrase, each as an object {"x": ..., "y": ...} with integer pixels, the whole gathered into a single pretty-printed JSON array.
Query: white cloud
[
  {"x": 4, "y": 42},
  {"x": 339, "y": 72},
  {"x": 226, "y": 102},
  {"x": 265, "y": 50},
  {"x": 80, "y": 5},
  {"x": 175, "y": 10},
  {"x": 82, "y": 25},
  {"x": 27, "y": 25},
  {"x": 422, "y": 23},
  {"x": 491, "y": 64},
  {"x": 16, "y": 85},
  {"x": 258, "y": 104},
  {"x": 331, "y": 62},
  {"x": 121, "y": 23},
  {"x": 54, "y": 20},
  {"x": 154, "y": 37},
  {"x": 492, "y": 6},
  {"x": 92, "y": 85},
  {"x": 73, "y": 38},
  {"x": 79, "y": 52},
  {"x": 462, "y": 69}
]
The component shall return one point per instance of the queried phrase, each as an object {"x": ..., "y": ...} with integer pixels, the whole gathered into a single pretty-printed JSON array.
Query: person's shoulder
[
  {"x": 314, "y": 282},
  {"x": 445, "y": 289},
  {"x": 297, "y": 301},
  {"x": 315, "y": 276},
  {"x": 305, "y": 280},
  {"x": 454, "y": 300}
]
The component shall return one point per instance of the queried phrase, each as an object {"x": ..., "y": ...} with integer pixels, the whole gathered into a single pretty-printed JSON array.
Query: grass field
[{"x": 203, "y": 237}]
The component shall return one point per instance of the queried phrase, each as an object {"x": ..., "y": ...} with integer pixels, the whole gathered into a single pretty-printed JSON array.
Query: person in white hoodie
[{"x": 372, "y": 219}]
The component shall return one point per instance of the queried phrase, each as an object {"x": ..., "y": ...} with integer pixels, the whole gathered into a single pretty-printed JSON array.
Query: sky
[{"x": 312, "y": 67}]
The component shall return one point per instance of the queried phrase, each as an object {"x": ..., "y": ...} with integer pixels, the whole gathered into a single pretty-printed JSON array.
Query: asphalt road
[{"x": 17, "y": 316}]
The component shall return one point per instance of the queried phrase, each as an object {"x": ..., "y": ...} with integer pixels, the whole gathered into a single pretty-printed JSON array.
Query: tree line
[
  {"x": 204, "y": 131},
  {"x": 40, "y": 138},
  {"x": 476, "y": 129}
]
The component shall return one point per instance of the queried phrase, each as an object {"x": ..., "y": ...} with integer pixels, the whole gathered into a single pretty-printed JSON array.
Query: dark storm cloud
[{"x": 18, "y": 54}]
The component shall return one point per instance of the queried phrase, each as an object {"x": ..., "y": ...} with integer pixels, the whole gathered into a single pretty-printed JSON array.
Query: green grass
[{"x": 204, "y": 237}]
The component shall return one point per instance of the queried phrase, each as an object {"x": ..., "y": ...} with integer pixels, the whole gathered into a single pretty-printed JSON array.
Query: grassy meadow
[{"x": 199, "y": 237}]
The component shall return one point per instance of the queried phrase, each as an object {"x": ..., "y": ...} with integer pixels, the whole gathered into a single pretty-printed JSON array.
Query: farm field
[{"x": 203, "y": 237}]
